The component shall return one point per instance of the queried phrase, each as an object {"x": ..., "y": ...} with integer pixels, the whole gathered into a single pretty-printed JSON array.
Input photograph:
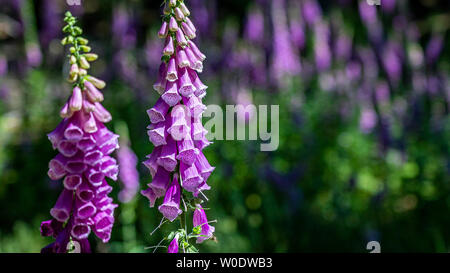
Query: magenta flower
[
  {"x": 171, "y": 205},
  {"x": 173, "y": 246},
  {"x": 285, "y": 61},
  {"x": 177, "y": 163},
  {"x": 128, "y": 174},
  {"x": 201, "y": 221},
  {"x": 83, "y": 163}
]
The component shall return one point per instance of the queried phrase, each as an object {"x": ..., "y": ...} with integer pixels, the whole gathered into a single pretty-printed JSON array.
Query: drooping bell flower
[
  {"x": 83, "y": 162},
  {"x": 170, "y": 208},
  {"x": 177, "y": 164},
  {"x": 173, "y": 246},
  {"x": 201, "y": 221}
]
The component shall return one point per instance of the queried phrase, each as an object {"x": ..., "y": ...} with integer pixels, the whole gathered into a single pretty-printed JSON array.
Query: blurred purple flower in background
[
  {"x": 128, "y": 173},
  {"x": 285, "y": 60},
  {"x": 254, "y": 27}
]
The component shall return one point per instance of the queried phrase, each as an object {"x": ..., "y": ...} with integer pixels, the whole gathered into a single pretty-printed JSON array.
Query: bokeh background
[{"x": 364, "y": 101}]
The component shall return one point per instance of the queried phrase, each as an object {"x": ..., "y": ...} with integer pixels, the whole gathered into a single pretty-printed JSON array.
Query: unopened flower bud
[
  {"x": 73, "y": 70},
  {"x": 88, "y": 106},
  {"x": 96, "y": 82},
  {"x": 84, "y": 63},
  {"x": 184, "y": 9},
  {"x": 92, "y": 92},
  {"x": 164, "y": 30},
  {"x": 82, "y": 41},
  {"x": 83, "y": 72},
  {"x": 85, "y": 48},
  {"x": 76, "y": 101},
  {"x": 167, "y": 9},
  {"x": 73, "y": 59},
  {"x": 173, "y": 25},
  {"x": 65, "y": 111},
  {"x": 179, "y": 14},
  {"x": 91, "y": 57},
  {"x": 169, "y": 49}
]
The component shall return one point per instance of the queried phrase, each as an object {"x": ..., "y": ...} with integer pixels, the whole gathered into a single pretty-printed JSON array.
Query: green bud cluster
[{"x": 80, "y": 54}]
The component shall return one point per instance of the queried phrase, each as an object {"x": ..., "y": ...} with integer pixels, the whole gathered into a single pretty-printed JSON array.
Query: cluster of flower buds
[
  {"x": 177, "y": 163},
  {"x": 84, "y": 162}
]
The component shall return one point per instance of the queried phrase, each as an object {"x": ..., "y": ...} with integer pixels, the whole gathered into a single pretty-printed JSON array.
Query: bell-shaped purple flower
[
  {"x": 173, "y": 246},
  {"x": 170, "y": 208},
  {"x": 200, "y": 220}
]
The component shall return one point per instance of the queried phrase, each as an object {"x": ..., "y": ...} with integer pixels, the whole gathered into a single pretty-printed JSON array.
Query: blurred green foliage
[{"x": 329, "y": 187}]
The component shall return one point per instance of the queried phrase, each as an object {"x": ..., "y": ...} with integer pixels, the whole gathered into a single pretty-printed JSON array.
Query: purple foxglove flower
[
  {"x": 195, "y": 63},
  {"x": 190, "y": 24},
  {"x": 169, "y": 49},
  {"x": 388, "y": 5},
  {"x": 202, "y": 143},
  {"x": 71, "y": 182},
  {"x": 181, "y": 38},
  {"x": 173, "y": 25},
  {"x": 311, "y": 11},
  {"x": 83, "y": 162},
  {"x": 392, "y": 63},
  {"x": 285, "y": 60},
  {"x": 93, "y": 93},
  {"x": 63, "y": 207},
  {"x": 254, "y": 27},
  {"x": 173, "y": 246},
  {"x": 158, "y": 112},
  {"x": 187, "y": 153},
  {"x": 176, "y": 118},
  {"x": 198, "y": 131},
  {"x": 203, "y": 166},
  {"x": 158, "y": 133},
  {"x": 195, "y": 105},
  {"x": 434, "y": 49},
  {"x": 167, "y": 158},
  {"x": 160, "y": 182},
  {"x": 200, "y": 220},
  {"x": 85, "y": 193},
  {"x": 151, "y": 162},
  {"x": 180, "y": 127},
  {"x": 170, "y": 208},
  {"x": 187, "y": 30},
  {"x": 367, "y": 120},
  {"x": 196, "y": 51},
  {"x": 172, "y": 74},
  {"x": 160, "y": 84},
  {"x": 164, "y": 30},
  {"x": 76, "y": 101},
  {"x": 51, "y": 228},
  {"x": 190, "y": 178},
  {"x": 185, "y": 85},
  {"x": 150, "y": 194},
  {"x": 171, "y": 95},
  {"x": 368, "y": 13},
  {"x": 184, "y": 9},
  {"x": 128, "y": 174},
  {"x": 182, "y": 59},
  {"x": 179, "y": 15}
]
